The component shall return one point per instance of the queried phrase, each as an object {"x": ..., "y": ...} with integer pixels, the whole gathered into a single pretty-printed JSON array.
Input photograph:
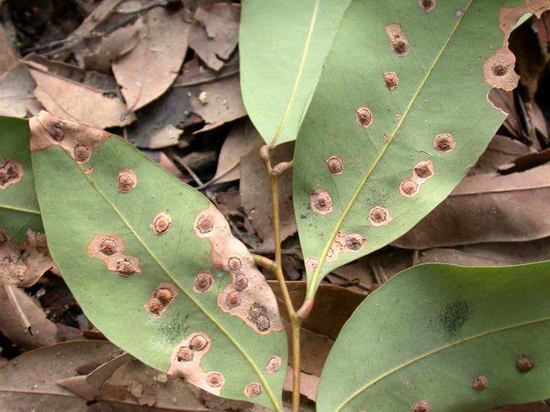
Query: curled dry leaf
[
  {"x": 155, "y": 248},
  {"x": 147, "y": 71},
  {"x": 215, "y": 33},
  {"x": 487, "y": 208},
  {"x": 16, "y": 89}
]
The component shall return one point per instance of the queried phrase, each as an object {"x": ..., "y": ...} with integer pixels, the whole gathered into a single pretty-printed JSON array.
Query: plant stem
[
  {"x": 294, "y": 317},
  {"x": 265, "y": 263}
]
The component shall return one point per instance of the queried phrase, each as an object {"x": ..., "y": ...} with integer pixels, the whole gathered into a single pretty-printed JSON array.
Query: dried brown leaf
[
  {"x": 242, "y": 139},
  {"x": 256, "y": 193},
  {"x": 487, "y": 208},
  {"x": 215, "y": 34},
  {"x": 16, "y": 87},
  {"x": 148, "y": 70},
  {"x": 68, "y": 99}
]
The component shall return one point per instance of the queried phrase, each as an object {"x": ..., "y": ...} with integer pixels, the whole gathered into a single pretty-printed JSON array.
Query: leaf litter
[{"x": 183, "y": 102}]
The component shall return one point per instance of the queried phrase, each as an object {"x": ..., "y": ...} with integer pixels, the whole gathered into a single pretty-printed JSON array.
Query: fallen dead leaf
[
  {"x": 30, "y": 380},
  {"x": 242, "y": 139},
  {"x": 215, "y": 34},
  {"x": 256, "y": 193},
  {"x": 148, "y": 70},
  {"x": 8, "y": 59},
  {"x": 76, "y": 101},
  {"x": 501, "y": 151},
  {"x": 487, "y": 208},
  {"x": 99, "y": 53},
  {"x": 16, "y": 89},
  {"x": 162, "y": 122},
  {"x": 43, "y": 331},
  {"x": 308, "y": 384}
]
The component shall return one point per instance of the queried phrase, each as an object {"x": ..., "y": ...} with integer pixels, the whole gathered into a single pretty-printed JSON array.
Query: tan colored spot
[
  {"x": 253, "y": 390},
  {"x": 203, "y": 282},
  {"x": 230, "y": 255},
  {"x": 185, "y": 361},
  {"x": 424, "y": 170},
  {"x": 273, "y": 365},
  {"x": 215, "y": 379},
  {"x": 11, "y": 172},
  {"x": 82, "y": 154},
  {"x": 233, "y": 299},
  {"x": 127, "y": 180},
  {"x": 109, "y": 248},
  {"x": 198, "y": 343},
  {"x": 234, "y": 264},
  {"x": 409, "y": 187},
  {"x": 258, "y": 315},
  {"x": 345, "y": 242},
  {"x": 161, "y": 298},
  {"x": 311, "y": 263},
  {"x": 185, "y": 354},
  {"x": 480, "y": 383},
  {"x": 320, "y": 202},
  {"x": 205, "y": 225},
  {"x": 241, "y": 282},
  {"x": 161, "y": 223},
  {"x": 380, "y": 216},
  {"x": 48, "y": 130},
  {"x": 444, "y": 142},
  {"x": 399, "y": 43},
  {"x": 498, "y": 70},
  {"x": 391, "y": 80},
  {"x": 427, "y": 5},
  {"x": 421, "y": 406},
  {"x": 363, "y": 117},
  {"x": 335, "y": 165}
]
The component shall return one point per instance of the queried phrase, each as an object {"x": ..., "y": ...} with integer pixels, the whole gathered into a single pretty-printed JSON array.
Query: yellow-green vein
[
  {"x": 433, "y": 352},
  {"x": 298, "y": 75},
  {"x": 312, "y": 286},
  {"x": 20, "y": 209}
]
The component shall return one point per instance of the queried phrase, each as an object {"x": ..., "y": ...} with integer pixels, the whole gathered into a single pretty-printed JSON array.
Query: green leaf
[
  {"x": 282, "y": 47},
  {"x": 24, "y": 254},
  {"x": 154, "y": 265},
  {"x": 400, "y": 114},
  {"x": 18, "y": 205},
  {"x": 435, "y": 333}
]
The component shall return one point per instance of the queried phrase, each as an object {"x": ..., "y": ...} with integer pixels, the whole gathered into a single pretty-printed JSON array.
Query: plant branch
[
  {"x": 265, "y": 263},
  {"x": 295, "y": 318}
]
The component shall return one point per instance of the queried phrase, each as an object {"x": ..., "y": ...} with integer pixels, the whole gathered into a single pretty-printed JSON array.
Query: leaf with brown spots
[
  {"x": 402, "y": 103},
  {"x": 456, "y": 339},
  {"x": 23, "y": 251},
  {"x": 156, "y": 266}
]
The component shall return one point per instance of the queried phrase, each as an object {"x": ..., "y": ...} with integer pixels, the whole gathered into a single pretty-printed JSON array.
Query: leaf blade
[
  {"x": 456, "y": 324},
  {"x": 380, "y": 131},
  {"x": 269, "y": 50},
  {"x": 173, "y": 259}
]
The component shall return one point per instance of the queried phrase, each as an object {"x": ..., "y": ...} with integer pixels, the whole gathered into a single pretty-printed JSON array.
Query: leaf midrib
[
  {"x": 436, "y": 351},
  {"x": 298, "y": 75},
  {"x": 316, "y": 274},
  {"x": 189, "y": 296},
  {"x": 20, "y": 209}
]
